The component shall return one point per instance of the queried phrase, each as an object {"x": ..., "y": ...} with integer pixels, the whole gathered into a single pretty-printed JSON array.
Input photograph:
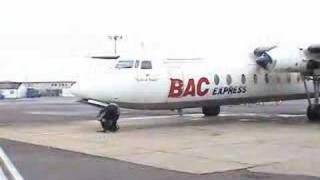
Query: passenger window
[
  {"x": 216, "y": 79},
  {"x": 229, "y": 79},
  {"x": 146, "y": 65},
  {"x": 243, "y": 79},
  {"x": 266, "y": 78},
  {"x": 137, "y": 64},
  {"x": 255, "y": 78}
]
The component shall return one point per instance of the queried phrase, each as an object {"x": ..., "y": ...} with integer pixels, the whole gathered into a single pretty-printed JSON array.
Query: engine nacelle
[{"x": 281, "y": 59}]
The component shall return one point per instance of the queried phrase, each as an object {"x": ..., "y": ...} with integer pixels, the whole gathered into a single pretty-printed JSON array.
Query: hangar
[
  {"x": 16, "y": 90},
  {"x": 13, "y": 90},
  {"x": 51, "y": 88}
]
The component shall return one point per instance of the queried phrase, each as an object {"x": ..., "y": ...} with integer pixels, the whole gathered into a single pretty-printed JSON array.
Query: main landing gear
[
  {"x": 313, "y": 110},
  {"x": 211, "y": 110},
  {"x": 108, "y": 118}
]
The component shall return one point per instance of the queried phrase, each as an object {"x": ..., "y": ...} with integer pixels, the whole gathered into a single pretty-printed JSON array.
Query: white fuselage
[{"x": 194, "y": 85}]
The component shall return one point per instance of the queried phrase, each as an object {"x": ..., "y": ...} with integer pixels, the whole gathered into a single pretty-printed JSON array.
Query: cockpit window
[
  {"x": 146, "y": 65},
  {"x": 125, "y": 64}
]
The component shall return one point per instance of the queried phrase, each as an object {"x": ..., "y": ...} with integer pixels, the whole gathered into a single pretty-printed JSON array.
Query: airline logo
[{"x": 202, "y": 87}]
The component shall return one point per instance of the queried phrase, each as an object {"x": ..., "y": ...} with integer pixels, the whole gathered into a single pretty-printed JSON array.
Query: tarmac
[{"x": 60, "y": 139}]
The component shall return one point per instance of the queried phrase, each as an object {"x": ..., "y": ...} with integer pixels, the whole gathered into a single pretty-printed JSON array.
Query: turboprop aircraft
[{"x": 273, "y": 73}]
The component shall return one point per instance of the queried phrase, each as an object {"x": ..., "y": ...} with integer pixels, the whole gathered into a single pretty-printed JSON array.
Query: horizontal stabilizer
[{"x": 105, "y": 57}]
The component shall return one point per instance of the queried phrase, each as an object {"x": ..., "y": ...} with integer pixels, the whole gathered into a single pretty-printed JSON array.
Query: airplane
[{"x": 270, "y": 73}]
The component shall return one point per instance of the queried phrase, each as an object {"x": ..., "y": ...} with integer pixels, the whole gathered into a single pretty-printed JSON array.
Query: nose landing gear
[
  {"x": 108, "y": 118},
  {"x": 313, "y": 111}
]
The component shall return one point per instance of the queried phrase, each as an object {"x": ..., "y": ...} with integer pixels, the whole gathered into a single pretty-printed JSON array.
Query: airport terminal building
[{"x": 16, "y": 90}]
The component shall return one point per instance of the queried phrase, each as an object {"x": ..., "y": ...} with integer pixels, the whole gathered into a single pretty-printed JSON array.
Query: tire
[
  {"x": 110, "y": 125},
  {"x": 106, "y": 125},
  {"x": 313, "y": 113},
  {"x": 211, "y": 110},
  {"x": 114, "y": 128},
  {"x": 109, "y": 122}
]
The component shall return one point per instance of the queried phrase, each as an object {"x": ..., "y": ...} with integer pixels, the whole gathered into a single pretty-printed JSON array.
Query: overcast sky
[{"x": 44, "y": 39}]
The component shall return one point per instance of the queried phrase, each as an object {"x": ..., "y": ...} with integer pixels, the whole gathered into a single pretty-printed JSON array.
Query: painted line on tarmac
[
  {"x": 291, "y": 115},
  {"x": 199, "y": 115},
  {"x": 194, "y": 115},
  {"x": 162, "y": 117},
  {"x": 59, "y": 113},
  {"x": 2, "y": 175},
  {"x": 261, "y": 115}
]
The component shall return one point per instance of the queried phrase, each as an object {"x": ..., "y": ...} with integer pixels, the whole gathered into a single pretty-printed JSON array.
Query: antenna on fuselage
[{"x": 115, "y": 38}]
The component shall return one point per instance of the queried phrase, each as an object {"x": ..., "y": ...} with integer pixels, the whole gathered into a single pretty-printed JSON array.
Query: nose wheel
[
  {"x": 109, "y": 118},
  {"x": 313, "y": 110}
]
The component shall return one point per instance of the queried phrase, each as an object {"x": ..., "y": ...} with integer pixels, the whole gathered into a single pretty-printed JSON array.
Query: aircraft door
[
  {"x": 144, "y": 70},
  {"x": 147, "y": 80}
]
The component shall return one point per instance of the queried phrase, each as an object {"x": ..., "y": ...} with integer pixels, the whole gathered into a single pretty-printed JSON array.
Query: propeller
[
  {"x": 314, "y": 49},
  {"x": 313, "y": 52},
  {"x": 262, "y": 57}
]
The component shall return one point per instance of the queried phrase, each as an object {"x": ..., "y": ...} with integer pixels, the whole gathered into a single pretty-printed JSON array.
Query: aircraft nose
[
  {"x": 91, "y": 89},
  {"x": 83, "y": 90},
  {"x": 75, "y": 90}
]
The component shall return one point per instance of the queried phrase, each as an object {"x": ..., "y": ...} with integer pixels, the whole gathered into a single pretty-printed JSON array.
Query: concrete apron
[{"x": 187, "y": 146}]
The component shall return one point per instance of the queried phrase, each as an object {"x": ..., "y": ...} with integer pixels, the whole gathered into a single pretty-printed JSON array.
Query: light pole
[{"x": 115, "y": 38}]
